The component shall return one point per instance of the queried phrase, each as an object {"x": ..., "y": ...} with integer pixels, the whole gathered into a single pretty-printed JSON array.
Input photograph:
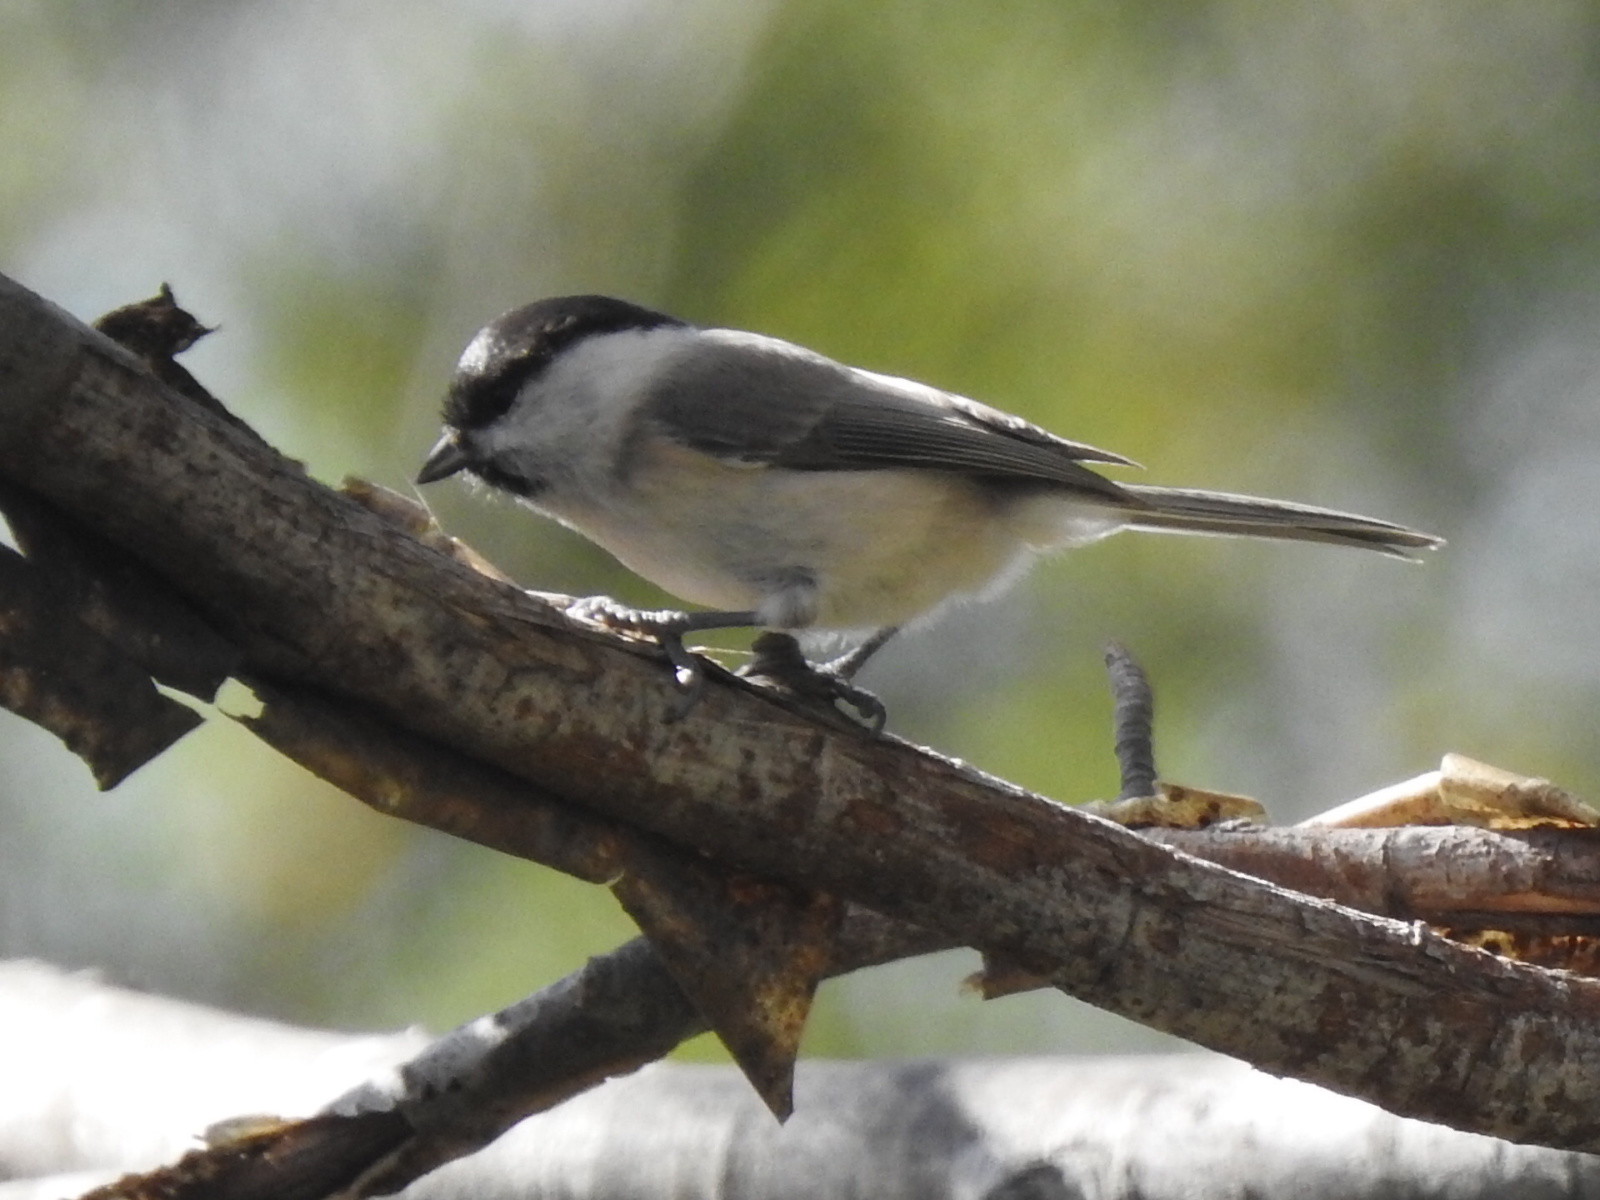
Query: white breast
[
  {"x": 882, "y": 547},
  {"x": 831, "y": 549}
]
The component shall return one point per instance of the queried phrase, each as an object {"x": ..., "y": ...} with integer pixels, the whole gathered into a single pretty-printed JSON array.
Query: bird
[{"x": 785, "y": 491}]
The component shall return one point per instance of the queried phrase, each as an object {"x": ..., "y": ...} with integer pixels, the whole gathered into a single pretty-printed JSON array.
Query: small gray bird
[{"x": 786, "y": 491}]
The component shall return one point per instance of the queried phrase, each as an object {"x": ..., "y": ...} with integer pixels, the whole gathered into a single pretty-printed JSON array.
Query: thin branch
[
  {"x": 1429, "y": 873},
  {"x": 1171, "y": 1126}
]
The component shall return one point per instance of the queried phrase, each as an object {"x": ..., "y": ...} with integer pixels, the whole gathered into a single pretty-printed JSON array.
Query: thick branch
[
  {"x": 315, "y": 589},
  {"x": 467, "y": 1088}
]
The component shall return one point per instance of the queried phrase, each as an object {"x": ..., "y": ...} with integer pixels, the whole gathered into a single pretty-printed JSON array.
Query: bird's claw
[
  {"x": 776, "y": 656},
  {"x": 613, "y": 614},
  {"x": 667, "y": 627}
]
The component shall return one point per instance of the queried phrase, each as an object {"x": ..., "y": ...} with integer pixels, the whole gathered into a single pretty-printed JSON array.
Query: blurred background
[{"x": 1346, "y": 252}]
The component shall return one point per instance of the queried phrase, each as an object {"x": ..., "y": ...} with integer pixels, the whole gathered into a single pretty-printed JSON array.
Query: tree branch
[
  {"x": 84, "y": 1054},
  {"x": 315, "y": 589},
  {"x": 466, "y": 1090}
]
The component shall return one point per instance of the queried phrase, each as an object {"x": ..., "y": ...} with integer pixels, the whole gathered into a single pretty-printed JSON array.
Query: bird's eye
[
  {"x": 517, "y": 484},
  {"x": 479, "y": 400}
]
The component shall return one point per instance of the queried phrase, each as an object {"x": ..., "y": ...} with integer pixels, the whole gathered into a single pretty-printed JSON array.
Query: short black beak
[{"x": 445, "y": 459}]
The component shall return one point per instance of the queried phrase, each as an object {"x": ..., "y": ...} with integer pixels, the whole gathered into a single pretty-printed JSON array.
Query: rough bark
[{"x": 313, "y": 588}]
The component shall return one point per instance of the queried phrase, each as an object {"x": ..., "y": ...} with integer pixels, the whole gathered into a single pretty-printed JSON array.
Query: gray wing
[{"x": 762, "y": 401}]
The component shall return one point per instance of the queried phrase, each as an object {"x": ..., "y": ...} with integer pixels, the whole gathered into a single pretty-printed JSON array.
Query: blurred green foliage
[{"x": 1342, "y": 252}]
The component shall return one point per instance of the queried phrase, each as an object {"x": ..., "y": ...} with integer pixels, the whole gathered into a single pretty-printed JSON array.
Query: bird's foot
[
  {"x": 776, "y": 656},
  {"x": 667, "y": 626}
]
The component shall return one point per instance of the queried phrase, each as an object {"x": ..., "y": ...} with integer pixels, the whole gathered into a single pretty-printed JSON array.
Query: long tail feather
[{"x": 1185, "y": 510}]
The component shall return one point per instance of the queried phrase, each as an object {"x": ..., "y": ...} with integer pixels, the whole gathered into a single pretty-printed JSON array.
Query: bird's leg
[
  {"x": 849, "y": 663},
  {"x": 775, "y": 656}
]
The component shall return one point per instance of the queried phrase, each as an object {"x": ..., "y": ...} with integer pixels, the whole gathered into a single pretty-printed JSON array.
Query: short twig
[{"x": 1132, "y": 714}]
